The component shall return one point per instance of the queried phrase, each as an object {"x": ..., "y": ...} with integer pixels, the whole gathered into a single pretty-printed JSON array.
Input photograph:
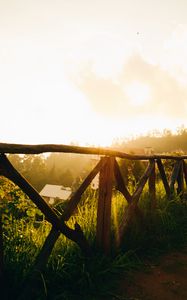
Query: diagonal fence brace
[{"x": 75, "y": 235}]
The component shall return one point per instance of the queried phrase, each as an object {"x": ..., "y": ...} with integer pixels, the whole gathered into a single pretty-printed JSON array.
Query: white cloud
[{"x": 174, "y": 57}]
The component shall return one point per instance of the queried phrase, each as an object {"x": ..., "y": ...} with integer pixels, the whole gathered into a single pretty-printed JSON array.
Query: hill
[{"x": 167, "y": 142}]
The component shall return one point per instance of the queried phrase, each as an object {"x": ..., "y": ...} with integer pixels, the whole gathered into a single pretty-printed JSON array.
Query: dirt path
[{"x": 164, "y": 280}]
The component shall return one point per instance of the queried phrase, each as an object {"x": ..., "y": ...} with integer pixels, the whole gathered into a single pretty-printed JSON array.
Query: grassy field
[{"x": 68, "y": 274}]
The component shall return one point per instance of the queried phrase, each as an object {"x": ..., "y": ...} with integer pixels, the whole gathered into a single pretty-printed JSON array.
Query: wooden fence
[{"x": 110, "y": 177}]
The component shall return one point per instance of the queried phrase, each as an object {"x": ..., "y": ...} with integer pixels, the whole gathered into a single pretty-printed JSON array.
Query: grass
[{"x": 68, "y": 274}]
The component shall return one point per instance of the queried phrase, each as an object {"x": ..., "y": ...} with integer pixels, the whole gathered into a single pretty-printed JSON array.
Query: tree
[
  {"x": 66, "y": 178},
  {"x": 32, "y": 167}
]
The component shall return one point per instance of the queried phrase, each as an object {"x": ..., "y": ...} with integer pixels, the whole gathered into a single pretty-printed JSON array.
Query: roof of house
[{"x": 56, "y": 191}]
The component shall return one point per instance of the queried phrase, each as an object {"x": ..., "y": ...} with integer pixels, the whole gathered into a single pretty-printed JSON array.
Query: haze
[{"x": 91, "y": 71}]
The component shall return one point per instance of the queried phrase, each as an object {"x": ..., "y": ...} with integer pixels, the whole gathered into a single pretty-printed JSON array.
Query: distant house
[
  {"x": 95, "y": 182},
  {"x": 55, "y": 193}
]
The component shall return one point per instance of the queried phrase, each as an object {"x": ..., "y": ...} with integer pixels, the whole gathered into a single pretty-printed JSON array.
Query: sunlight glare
[{"x": 138, "y": 93}]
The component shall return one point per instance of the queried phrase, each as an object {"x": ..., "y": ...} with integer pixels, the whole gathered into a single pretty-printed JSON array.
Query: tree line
[
  {"x": 159, "y": 142},
  {"x": 56, "y": 168}
]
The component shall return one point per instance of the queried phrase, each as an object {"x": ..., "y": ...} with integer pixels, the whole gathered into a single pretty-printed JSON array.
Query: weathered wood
[
  {"x": 104, "y": 205},
  {"x": 180, "y": 179},
  {"x": 11, "y": 173},
  {"x": 1, "y": 249},
  {"x": 108, "y": 168},
  {"x": 43, "y": 148},
  {"x": 152, "y": 187},
  {"x": 163, "y": 177},
  {"x": 46, "y": 250},
  {"x": 72, "y": 203},
  {"x": 127, "y": 217},
  {"x": 39, "y": 265},
  {"x": 75, "y": 235},
  {"x": 74, "y": 200},
  {"x": 142, "y": 182},
  {"x": 185, "y": 171},
  {"x": 132, "y": 209},
  {"x": 120, "y": 184},
  {"x": 174, "y": 175}
]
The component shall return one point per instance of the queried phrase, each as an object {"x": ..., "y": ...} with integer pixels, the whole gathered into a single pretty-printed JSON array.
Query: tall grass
[{"x": 68, "y": 274}]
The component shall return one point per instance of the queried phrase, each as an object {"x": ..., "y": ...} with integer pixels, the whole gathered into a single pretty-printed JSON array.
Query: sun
[{"x": 138, "y": 93}]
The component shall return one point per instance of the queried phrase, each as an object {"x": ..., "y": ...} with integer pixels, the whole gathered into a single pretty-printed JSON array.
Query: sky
[{"x": 88, "y": 72}]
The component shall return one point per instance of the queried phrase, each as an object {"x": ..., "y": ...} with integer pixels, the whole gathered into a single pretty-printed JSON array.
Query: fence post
[
  {"x": 185, "y": 172},
  {"x": 104, "y": 205},
  {"x": 163, "y": 177},
  {"x": 152, "y": 187},
  {"x": 180, "y": 179},
  {"x": 175, "y": 176},
  {"x": 1, "y": 248}
]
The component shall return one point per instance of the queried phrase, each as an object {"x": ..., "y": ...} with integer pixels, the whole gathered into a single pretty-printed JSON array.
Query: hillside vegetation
[
  {"x": 69, "y": 275},
  {"x": 160, "y": 143}
]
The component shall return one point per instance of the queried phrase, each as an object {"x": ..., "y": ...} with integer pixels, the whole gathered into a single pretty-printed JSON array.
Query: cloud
[
  {"x": 108, "y": 97},
  {"x": 168, "y": 97},
  {"x": 174, "y": 56},
  {"x": 105, "y": 96}
]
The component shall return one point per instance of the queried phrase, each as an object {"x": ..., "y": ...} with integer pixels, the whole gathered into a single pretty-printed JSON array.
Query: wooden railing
[{"x": 110, "y": 177}]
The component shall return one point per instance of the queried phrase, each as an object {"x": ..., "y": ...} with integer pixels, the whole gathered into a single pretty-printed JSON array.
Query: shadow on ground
[{"x": 165, "y": 279}]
